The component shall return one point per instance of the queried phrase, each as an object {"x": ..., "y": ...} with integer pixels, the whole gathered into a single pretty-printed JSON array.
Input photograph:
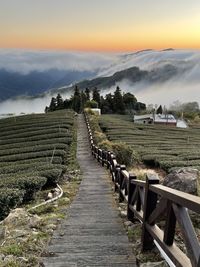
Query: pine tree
[
  {"x": 119, "y": 106},
  {"x": 83, "y": 100},
  {"x": 76, "y": 100},
  {"x": 53, "y": 104},
  {"x": 87, "y": 93},
  {"x": 46, "y": 109},
  {"x": 129, "y": 100},
  {"x": 96, "y": 96},
  {"x": 60, "y": 102}
]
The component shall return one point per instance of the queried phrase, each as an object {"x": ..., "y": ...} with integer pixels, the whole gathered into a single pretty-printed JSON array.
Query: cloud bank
[
  {"x": 25, "y": 61},
  {"x": 183, "y": 86}
]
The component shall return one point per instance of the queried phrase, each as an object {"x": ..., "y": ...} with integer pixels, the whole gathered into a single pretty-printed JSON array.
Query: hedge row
[
  {"x": 59, "y": 140},
  {"x": 33, "y": 153},
  {"x": 36, "y": 148},
  {"x": 157, "y": 145}
]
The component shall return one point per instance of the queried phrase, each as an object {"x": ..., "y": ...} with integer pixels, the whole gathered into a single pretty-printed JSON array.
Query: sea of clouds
[{"x": 184, "y": 86}]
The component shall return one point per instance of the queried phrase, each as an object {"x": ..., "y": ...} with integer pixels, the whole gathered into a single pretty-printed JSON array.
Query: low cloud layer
[
  {"x": 160, "y": 93},
  {"x": 27, "y": 105},
  {"x": 184, "y": 86},
  {"x": 25, "y": 61}
]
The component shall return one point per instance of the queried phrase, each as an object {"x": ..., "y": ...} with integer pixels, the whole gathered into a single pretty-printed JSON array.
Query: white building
[{"x": 162, "y": 119}]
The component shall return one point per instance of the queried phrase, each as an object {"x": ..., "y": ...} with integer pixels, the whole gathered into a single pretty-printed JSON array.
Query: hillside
[
  {"x": 132, "y": 75},
  {"x": 158, "y": 146},
  {"x": 34, "y": 151},
  {"x": 15, "y": 84}
]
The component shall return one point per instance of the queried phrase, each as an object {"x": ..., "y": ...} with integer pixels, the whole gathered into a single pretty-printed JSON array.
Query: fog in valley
[{"x": 184, "y": 85}]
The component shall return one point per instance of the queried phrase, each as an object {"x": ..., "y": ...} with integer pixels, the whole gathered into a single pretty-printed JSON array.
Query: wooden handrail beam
[{"x": 183, "y": 199}]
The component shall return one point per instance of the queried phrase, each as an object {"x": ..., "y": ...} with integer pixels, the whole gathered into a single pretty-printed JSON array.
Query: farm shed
[
  {"x": 143, "y": 119},
  {"x": 167, "y": 119}
]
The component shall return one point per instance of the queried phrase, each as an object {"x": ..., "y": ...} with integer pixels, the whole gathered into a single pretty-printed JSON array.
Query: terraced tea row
[
  {"x": 157, "y": 145},
  {"x": 34, "y": 151}
]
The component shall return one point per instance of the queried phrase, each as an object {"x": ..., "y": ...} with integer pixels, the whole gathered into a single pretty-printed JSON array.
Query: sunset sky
[{"x": 99, "y": 25}]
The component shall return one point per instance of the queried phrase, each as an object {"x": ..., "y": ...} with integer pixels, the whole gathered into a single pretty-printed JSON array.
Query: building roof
[
  {"x": 161, "y": 118},
  {"x": 168, "y": 118},
  {"x": 143, "y": 117}
]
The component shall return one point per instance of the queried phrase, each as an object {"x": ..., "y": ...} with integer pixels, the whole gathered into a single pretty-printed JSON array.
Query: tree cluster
[{"x": 110, "y": 103}]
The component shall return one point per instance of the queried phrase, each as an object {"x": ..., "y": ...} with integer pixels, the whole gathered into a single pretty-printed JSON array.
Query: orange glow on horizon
[{"x": 112, "y": 26}]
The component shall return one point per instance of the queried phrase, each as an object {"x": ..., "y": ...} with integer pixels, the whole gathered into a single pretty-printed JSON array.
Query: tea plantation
[
  {"x": 34, "y": 150},
  {"x": 162, "y": 146}
]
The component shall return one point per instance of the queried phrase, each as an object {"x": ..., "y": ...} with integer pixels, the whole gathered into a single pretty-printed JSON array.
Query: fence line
[{"x": 148, "y": 202}]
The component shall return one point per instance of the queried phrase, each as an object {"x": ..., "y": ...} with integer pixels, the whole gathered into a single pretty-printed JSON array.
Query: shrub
[
  {"x": 91, "y": 104},
  {"x": 106, "y": 145},
  {"x": 9, "y": 199},
  {"x": 52, "y": 176},
  {"x": 29, "y": 184},
  {"x": 124, "y": 153}
]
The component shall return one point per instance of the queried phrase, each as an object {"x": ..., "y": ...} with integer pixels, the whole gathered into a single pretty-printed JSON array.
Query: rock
[
  {"x": 155, "y": 264},
  {"x": 16, "y": 216},
  {"x": 34, "y": 221},
  {"x": 19, "y": 233},
  {"x": 51, "y": 226},
  {"x": 9, "y": 258},
  {"x": 183, "y": 179}
]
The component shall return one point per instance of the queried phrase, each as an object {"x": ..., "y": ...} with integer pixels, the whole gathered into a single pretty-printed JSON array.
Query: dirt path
[{"x": 93, "y": 234}]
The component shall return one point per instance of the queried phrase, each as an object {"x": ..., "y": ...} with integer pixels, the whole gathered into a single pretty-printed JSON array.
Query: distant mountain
[
  {"x": 14, "y": 84},
  {"x": 132, "y": 75}
]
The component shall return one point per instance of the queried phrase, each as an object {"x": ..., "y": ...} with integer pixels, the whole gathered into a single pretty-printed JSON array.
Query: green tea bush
[
  {"x": 9, "y": 199},
  {"x": 29, "y": 184},
  {"x": 157, "y": 145},
  {"x": 33, "y": 152}
]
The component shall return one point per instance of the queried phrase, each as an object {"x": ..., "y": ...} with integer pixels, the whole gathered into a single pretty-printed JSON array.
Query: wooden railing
[{"x": 149, "y": 202}]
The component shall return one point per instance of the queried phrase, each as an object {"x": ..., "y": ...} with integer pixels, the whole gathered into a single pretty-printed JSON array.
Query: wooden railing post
[
  {"x": 108, "y": 159},
  {"x": 121, "y": 179},
  {"x": 117, "y": 173},
  {"x": 98, "y": 155},
  {"x": 93, "y": 149},
  {"x": 131, "y": 190},
  {"x": 150, "y": 201},
  {"x": 170, "y": 226},
  {"x": 103, "y": 157}
]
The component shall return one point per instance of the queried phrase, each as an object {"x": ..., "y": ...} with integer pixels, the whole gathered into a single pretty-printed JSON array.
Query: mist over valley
[{"x": 28, "y": 79}]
